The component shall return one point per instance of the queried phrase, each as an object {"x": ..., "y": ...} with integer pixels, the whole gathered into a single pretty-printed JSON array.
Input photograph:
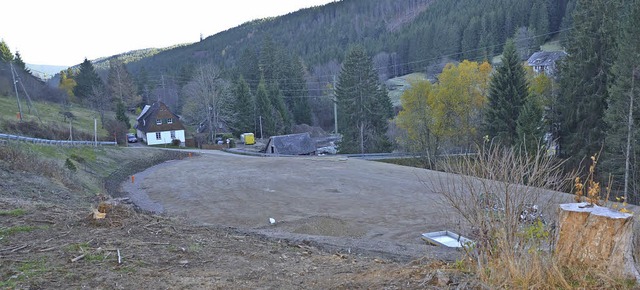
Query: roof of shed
[{"x": 293, "y": 144}]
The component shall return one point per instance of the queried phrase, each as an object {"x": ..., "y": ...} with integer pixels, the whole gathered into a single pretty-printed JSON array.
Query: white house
[
  {"x": 157, "y": 125},
  {"x": 545, "y": 61}
]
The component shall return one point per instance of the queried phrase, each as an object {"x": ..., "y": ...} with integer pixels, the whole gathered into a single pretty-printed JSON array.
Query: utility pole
[
  {"x": 95, "y": 132},
  {"x": 335, "y": 107},
  {"x": 261, "y": 137},
  {"x": 15, "y": 87},
  {"x": 29, "y": 102},
  {"x": 629, "y": 128}
]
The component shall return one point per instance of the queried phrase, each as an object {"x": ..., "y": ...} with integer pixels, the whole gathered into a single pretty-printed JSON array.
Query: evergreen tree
[
  {"x": 20, "y": 63},
  {"x": 264, "y": 111},
  {"x": 471, "y": 38},
  {"x": 539, "y": 21},
  {"x": 530, "y": 125},
  {"x": 508, "y": 91},
  {"x": 5, "y": 53},
  {"x": 297, "y": 94},
  {"x": 280, "y": 115},
  {"x": 363, "y": 105},
  {"x": 249, "y": 68},
  {"x": 525, "y": 42},
  {"x": 268, "y": 60},
  {"x": 244, "y": 108},
  {"x": 585, "y": 78},
  {"x": 121, "y": 114},
  {"x": 142, "y": 82},
  {"x": 622, "y": 113},
  {"x": 86, "y": 80}
]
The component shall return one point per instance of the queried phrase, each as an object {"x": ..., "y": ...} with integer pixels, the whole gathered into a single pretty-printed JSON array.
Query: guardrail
[{"x": 53, "y": 142}]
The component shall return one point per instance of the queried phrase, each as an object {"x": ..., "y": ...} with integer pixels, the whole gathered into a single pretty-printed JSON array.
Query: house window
[
  {"x": 158, "y": 136},
  {"x": 158, "y": 121},
  {"x": 173, "y": 135},
  {"x": 170, "y": 121}
]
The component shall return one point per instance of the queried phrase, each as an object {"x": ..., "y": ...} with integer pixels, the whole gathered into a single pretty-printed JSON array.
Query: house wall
[
  {"x": 141, "y": 135},
  {"x": 165, "y": 137}
]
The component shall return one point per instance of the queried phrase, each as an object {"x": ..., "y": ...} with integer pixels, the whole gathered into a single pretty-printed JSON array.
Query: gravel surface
[{"x": 343, "y": 203}]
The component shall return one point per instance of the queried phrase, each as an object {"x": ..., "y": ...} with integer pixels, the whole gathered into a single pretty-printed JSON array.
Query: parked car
[{"x": 131, "y": 138}]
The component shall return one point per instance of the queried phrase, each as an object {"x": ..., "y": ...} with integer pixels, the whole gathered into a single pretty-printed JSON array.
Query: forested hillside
[
  {"x": 401, "y": 36},
  {"x": 405, "y": 35}
]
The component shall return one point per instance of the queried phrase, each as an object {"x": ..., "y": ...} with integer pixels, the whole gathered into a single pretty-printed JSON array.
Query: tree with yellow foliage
[
  {"x": 459, "y": 102},
  {"x": 416, "y": 118},
  {"x": 447, "y": 112},
  {"x": 67, "y": 83}
]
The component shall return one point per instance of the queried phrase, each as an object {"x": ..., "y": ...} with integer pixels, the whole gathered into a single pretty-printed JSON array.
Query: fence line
[{"x": 53, "y": 142}]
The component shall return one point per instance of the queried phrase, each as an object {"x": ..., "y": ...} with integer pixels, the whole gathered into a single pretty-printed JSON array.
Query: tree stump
[{"x": 596, "y": 237}]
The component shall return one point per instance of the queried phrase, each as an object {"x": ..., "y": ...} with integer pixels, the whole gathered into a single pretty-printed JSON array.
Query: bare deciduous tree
[
  {"x": 100, "y": 101},
  {"x": 120, "y": 84},
  {"x": 208, "y": 99},
  {"x": 498, "y": 193}
]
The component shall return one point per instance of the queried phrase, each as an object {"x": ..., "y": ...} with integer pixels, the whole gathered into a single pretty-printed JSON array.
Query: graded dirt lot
[
  {"x": 49, "y": 239},
  {"x": 349, "y": 204}
]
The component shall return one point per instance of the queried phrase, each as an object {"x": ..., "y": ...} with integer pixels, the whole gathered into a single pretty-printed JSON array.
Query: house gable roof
[
  {"x": 158, "y": 110},
  {"x": 293, "y": 144},
  {"x": 545, "y": 58}
]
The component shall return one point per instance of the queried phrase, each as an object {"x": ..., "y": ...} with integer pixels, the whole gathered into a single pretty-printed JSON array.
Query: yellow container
[{"x": 249, "y": 139}]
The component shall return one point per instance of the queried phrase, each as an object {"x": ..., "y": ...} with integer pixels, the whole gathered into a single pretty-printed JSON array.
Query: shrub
[
  {"x": 118, "y": 129},
  {"x": 69, "y": 165},
  {"x": 176, "y": 142},
  {"x": 77, "y": 158},
  {"x": 491, "y": 191}
]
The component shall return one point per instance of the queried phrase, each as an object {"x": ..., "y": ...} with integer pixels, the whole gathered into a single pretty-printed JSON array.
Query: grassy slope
[
  {"x": 39, "y": 171},
  {"x": 50, "y": 114},
  {"x": 399, "y": 84}
]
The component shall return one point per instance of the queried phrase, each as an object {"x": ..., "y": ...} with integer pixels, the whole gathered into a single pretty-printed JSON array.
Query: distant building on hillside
[
  {"x": 157, "y": 125},
  {"x": 545, "y": 61}
]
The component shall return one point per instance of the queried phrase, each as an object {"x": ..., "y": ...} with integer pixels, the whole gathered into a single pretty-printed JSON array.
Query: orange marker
[{"x": 133, "y": 179}]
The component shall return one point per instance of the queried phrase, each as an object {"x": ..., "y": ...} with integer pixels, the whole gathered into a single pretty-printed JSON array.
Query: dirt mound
[{"x": 313, "y": 131}]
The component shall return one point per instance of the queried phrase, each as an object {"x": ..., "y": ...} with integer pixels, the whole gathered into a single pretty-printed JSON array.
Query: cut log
[{"x": 596, "y": 237}]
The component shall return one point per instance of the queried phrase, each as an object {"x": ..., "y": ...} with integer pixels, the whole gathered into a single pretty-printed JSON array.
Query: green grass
[
  {"x": 50, "y": 114},
  {"x": 14, "y": 212},
  {"x": 553, "y": 45},
  {"x": 24, "y": 270},
  {"x": 17, "y": 229}
]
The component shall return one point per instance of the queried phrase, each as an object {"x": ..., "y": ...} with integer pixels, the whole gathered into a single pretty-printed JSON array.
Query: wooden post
[{"x": 596, "y": 237}]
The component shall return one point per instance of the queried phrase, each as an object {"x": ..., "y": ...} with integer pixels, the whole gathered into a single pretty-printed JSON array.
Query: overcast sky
[{"x": 65, "y": 32}]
